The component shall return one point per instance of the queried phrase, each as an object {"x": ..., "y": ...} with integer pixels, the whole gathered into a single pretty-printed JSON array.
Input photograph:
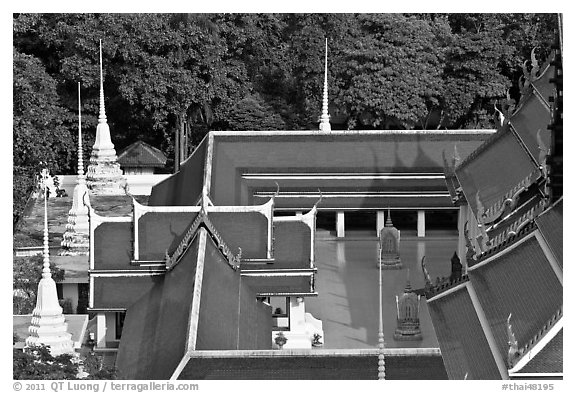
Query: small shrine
[
  {"x": 104, "y": 175},
  {"x": 389, "y": 248},
  {"x": 408, "y": 320}
]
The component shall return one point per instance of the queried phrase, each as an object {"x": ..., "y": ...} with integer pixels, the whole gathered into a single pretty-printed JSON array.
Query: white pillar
[
  {"x": 340, "y": 224},
  {"x": 421, "y": 223},
  {"x": 101, "y": 330},
  {"x": 298, "y": 214},
  {"x": 380, "y": 221},
  {"x": 462, "y": 216}
]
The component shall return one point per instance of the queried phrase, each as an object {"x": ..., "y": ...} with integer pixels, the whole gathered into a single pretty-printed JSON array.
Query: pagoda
[
  {"x": 76, "y": 239},
  {"x": 48, "y": 326},
  {"x": 104, "y": 174}
]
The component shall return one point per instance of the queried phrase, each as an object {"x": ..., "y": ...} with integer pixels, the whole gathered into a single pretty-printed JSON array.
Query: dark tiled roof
[
  {"x": 159, "y": 327},
  {"x": 464, "y": 347},
  {"x": 236, "y": 154},
  {"x": 141, "y": 154},
  {"x": 291, "y": 245},
  {"x": 299, "y": 367},
  {"x": 549, "y": 359},
  {"x": 161, "y": 232},
  {"x": 520, "y": 282},
  {"x": 550, "y": 224},
  {"x": 487, "y": 171},
  {"x": 121, "y": 292}
]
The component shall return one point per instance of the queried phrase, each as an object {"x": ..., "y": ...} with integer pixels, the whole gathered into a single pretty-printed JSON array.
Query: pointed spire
[
  {"x": 104, "y": 174},
  {"x": 81, "y": 176},
  {"x": 325, "y": 118},
  {"x": 389, "y": 219},
  {"x": 75, "y": 240},
  {"x": 48, "y": 326},
  {"x": 102, "y": 116}
]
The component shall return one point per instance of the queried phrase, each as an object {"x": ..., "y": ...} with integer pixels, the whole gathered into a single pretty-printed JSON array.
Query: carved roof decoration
[
  {"x": 445, "y": 286},
  {"x": 520, "y": 352},
  {"x": 518, "y": 224},
  {"x": 524, "y": 231},
  {"x": 513, "y": 352},
  {"x": 202, "y": 220}
]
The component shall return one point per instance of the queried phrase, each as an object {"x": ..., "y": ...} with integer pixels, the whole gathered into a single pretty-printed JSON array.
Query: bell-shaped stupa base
[
  {"x": 48, "y": 326},
  {"x": 105, "y": 178}
]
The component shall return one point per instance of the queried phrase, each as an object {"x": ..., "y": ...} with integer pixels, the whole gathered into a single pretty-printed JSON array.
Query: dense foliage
[
  {"x": 167, "y": 75},
  {"x": 26, "y": 274},
  {"x": 37, "y": 363}
]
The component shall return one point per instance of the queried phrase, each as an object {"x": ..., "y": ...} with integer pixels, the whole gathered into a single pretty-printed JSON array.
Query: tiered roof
[{"x": 511, "y": 293}]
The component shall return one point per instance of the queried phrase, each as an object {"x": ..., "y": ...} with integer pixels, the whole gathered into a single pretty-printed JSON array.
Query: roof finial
[
  {"x": 325, "y": 118},
  {"x": 389, "y": 219},
  {"x": 102, "y": 116}
]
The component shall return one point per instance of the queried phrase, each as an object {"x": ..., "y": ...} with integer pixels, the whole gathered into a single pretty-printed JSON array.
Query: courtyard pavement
[{"x": 347, "y": 283}]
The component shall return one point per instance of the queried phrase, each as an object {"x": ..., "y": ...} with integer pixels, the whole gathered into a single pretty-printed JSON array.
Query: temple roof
[
  {"x": 353, "y": 169},
  {"x": 201, "y": 304},
  {"x": 141, "y": 154},
  {"x": 315, "y": 364},
  {"x": 547, "y": 360}
]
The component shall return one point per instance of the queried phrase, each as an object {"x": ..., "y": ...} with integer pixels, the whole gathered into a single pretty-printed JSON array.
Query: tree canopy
[{"x": 165, "y": 73}]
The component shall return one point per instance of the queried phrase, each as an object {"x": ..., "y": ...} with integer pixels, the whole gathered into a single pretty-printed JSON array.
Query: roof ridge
[
  {"x": 538, "y": 336},
  {"x": 518, "y": 223},
  {"x": 523, "y": 232},
  {"x": 444, "y": 286},
  {"x": 500, "y": 133}
]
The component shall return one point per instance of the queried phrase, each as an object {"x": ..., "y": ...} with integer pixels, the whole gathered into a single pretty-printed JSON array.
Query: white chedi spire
[
  {"x": 48, "y": 326},
  {"x": 104, "y": 173},
  {"x": 325, "y": 117},
  {"x": 75, "y": 240}
]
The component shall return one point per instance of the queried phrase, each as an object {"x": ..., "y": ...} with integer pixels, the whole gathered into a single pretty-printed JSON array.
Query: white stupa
[
  {"x": 48, "y": 324},
  {"x": 104, "y": 175},
  {"x": 76, "y": 239}
]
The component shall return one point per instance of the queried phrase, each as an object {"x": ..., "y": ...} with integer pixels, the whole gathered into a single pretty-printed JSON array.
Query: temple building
[
  {"x": 194, "y": 275},
  {"x": 501, "y": 317},
  {"x": 140, "y": 158}
]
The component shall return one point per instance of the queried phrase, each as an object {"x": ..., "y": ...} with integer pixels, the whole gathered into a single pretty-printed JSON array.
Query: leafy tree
[
  {"x": 40, "y": 134},
  {"x": 252, "y": 113},
  {"x": 37, "y": 363},
  {"x": 26, "y": 274}
]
